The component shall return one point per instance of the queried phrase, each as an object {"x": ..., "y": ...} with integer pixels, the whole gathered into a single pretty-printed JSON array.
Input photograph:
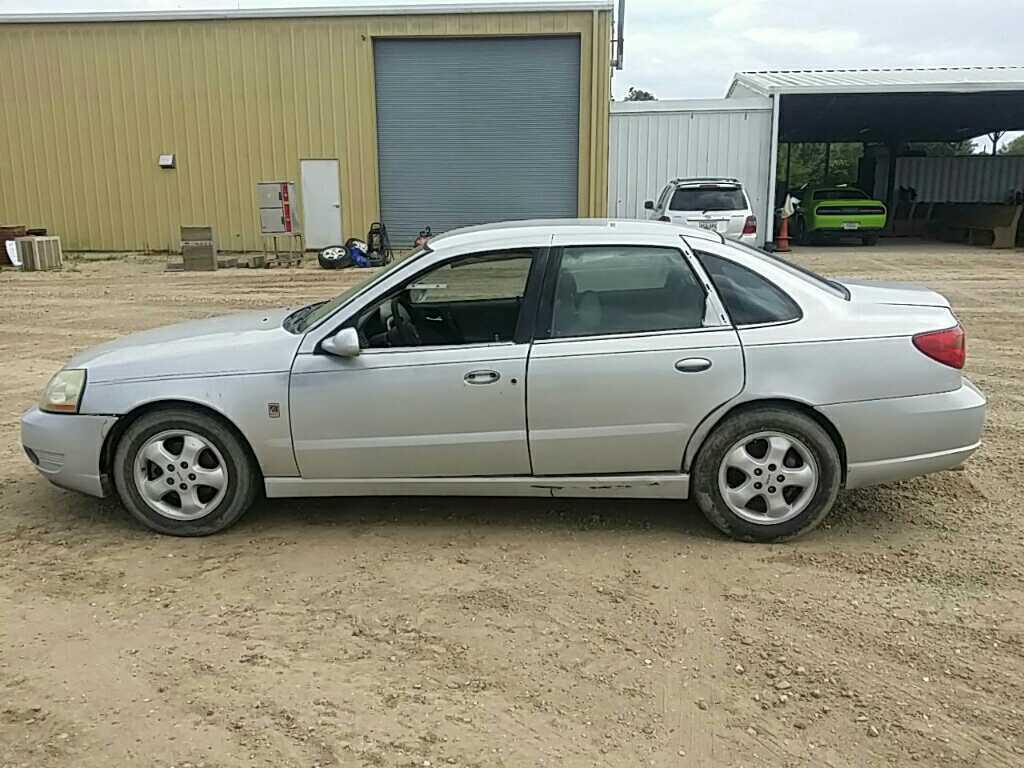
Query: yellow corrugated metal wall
[{"x": 87, "y": 108}]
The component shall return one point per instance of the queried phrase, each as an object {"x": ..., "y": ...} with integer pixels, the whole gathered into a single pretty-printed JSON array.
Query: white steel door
[{"x": 321, "y": 202}]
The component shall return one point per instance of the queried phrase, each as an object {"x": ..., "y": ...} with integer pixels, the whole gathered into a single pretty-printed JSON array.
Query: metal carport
[{"x": 884, "y": 106}]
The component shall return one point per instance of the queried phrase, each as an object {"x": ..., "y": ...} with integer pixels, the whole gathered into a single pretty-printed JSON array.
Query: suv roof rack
[{"x": 698, "y": 179}]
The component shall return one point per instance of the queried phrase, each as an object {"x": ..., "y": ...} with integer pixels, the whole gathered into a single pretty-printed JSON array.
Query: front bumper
[
  {"x": 66, "y": 448},
  {"x": 902, "y": 437}
]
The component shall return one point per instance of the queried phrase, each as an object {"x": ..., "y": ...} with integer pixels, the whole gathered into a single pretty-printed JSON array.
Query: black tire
[
  {"x": 334, "y": 257},
  {"x": 751, "y": 422},
  {"x": 869, "y": 240},
  {"x": 243, "y": 475},
  {"x": 800, "y": 230}
]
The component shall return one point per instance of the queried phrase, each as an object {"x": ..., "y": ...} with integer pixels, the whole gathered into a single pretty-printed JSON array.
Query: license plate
[
  {"x": 851, "y": 225},
  {"x": 713, "y": 226}
]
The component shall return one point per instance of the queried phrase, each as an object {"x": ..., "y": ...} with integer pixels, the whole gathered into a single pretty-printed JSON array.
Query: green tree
[
  {"x": 1015, "y": 147},
  {"x": 639, "y": 94},
  {"x": 807, "y": 164}
]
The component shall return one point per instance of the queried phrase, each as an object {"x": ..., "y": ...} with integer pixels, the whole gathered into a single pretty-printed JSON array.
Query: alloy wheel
[
  {"x": 180, "y": 474},
  {"x": 768, "y": 478}
]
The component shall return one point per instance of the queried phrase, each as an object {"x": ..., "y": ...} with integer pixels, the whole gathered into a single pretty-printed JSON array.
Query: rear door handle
[
  {"x": 481, "y": 377},
  {"x": 693, "y": 365}
]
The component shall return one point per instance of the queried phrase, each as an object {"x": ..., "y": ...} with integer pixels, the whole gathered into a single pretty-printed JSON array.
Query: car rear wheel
[
  {"x": 767, "y": 474},
  {"x": 184, "y": 473}
]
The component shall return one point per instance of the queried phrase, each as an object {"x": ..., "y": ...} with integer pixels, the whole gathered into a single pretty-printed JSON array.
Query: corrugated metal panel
[
  {"x": 471, "y": 131},
  {"x": 971, "y": 179},
  {"x": 238, "y": 101},
  {"x": 900, "y": 79},
  {"x": 647, "y": 149}
]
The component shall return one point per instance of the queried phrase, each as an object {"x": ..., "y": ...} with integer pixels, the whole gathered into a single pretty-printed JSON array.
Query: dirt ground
[{"x": 488, "y": 632}]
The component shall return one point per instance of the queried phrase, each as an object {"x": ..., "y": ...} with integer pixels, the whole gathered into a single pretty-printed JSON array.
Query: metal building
[
  {"x": 439, "y": 115},
  {"x": 652, "y": 142}
]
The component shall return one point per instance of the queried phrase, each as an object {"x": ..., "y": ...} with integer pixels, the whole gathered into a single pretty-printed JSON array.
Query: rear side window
[
  {"x": 624, "y": 289},
  {"x": 749, "y": 298},
  {"x": 708, "y": 198}
]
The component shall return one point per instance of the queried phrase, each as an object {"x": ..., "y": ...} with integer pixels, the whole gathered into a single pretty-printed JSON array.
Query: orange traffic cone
[{"x": 782, "y": 237}]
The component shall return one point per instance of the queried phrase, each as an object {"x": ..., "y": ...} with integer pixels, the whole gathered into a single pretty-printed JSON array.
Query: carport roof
[{"x": 896, "y": 80}]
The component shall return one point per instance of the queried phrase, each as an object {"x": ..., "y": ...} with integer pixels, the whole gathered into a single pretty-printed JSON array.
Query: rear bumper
[
  {"x": 65, "y": 448},
  {"x": 840, "y": 232},
  {"x": 898, "y": 438}
]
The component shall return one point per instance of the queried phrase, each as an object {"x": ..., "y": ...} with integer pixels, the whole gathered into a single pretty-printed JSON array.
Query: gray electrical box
[{"x": 278, "y": 208}]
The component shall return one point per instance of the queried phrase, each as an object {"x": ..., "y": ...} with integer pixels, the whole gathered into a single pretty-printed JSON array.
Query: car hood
[
  {"x": 245, "y": 342},
  {"x": 882, "y": 292}
]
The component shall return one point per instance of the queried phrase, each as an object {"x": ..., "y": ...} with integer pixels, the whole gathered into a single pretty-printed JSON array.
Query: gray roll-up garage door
[{"x": 476, "y": 130}]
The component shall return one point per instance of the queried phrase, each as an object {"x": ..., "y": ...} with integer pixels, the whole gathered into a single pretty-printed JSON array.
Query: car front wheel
[
  {"x": 184, "y": 473},
  {"x": 767, "y": 474}
]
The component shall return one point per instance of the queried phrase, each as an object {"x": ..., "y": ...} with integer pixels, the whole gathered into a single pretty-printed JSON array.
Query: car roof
[{"x": 567, "y": 227}]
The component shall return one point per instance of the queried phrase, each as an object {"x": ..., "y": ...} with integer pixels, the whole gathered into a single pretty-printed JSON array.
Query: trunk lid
[{"x": 900, "y": 294}]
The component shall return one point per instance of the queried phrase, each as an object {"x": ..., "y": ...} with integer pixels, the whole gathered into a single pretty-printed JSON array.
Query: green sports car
[{"x": 839, "y": 211}]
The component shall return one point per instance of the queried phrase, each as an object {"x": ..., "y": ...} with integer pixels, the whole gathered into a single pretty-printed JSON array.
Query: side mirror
[
  {"x": 649, "y": 205},
  {"x": 345, "y": 343}
]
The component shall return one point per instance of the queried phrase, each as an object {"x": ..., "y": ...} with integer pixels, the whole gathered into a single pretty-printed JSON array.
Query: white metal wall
[
  {"x": 652, "y": 142},
  {"x": 971, "y": 179}
]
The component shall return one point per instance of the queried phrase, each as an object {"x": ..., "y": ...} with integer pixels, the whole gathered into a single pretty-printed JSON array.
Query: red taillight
[
  {"x": 948, "y": 347},
  {"x": 750, "y": 226}
]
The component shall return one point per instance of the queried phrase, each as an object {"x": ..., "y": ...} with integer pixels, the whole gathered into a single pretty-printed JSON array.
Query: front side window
[
  {"x": 748, "y": 298},
  {"x": 471, "y": 300},
  {"x": 624, "y": 289},
  {"x": 708, "y": 198}
]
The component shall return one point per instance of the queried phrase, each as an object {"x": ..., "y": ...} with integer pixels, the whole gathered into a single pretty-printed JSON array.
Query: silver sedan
[{"x": 545, "y": 358}]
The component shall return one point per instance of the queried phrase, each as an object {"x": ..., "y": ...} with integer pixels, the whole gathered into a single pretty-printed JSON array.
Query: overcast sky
[{"x": 691, "y": 48}]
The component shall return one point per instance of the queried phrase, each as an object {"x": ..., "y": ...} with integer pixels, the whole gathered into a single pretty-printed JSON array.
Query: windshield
[
  {"x": 711, "y": 197},
  {"x": 840, "y": 194},
  {"x": 795, "y": 269},
  {"x": 301, "y": 320}
]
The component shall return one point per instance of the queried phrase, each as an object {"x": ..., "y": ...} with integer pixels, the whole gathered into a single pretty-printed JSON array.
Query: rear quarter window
[{"x": 748, "y": 298}]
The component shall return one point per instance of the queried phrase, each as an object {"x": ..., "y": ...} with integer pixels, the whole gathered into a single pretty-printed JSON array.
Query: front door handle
[
  {"x": 481, "y": 377},
  {"x": 693, "y": 365}
]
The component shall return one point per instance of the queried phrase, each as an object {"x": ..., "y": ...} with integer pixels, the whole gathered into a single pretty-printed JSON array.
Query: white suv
[{"x": 719, "y": 205}]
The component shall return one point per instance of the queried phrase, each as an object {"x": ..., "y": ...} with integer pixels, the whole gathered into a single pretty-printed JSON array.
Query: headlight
[{"x": 64, "y": 392}]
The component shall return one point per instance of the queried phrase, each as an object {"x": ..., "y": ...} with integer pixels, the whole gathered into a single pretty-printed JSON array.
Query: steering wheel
[{"x": 400, "y": 327}]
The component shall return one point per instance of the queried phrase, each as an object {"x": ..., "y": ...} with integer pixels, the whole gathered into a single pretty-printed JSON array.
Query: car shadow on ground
[
  {"x": 55, "y": 511},
  {"x": 482, "y": 513}
]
